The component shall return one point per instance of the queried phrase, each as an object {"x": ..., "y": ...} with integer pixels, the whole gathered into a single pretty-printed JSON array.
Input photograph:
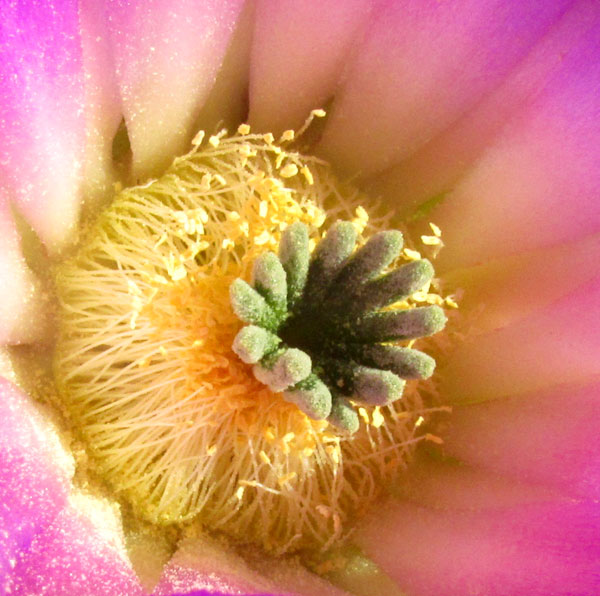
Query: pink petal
[
  {"x": 103, "y": 110},
  {"x": 297, "y": 60},
  {"x": 423, "y": 65},
  {"x": 503, "y": 291},
  {"x": 41, "y": 117},
  {"x": 557, "y": 344},
  {"x": 529, "y": 550},
  {"x": 75, "y": 555},
  {"x": 167, "y": 53},
  {"x": 538, "y": 185},
  {"x": 34, "y": 475},
  {"x": 547, "y": 438},
  {"x": 456, "y": 485},
  {"x": 437, "y": 166},
  {"x": 201, "y": 564},
  {"x": 23, "y": 317},
  {"x": 227, "y": 103}
]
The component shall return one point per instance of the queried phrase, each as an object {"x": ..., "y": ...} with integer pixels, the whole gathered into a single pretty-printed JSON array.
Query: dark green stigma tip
[{"x": 315, "y": 329}]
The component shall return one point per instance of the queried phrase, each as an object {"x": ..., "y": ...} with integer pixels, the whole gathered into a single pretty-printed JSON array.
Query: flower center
[{"x": 173, "y": 419}]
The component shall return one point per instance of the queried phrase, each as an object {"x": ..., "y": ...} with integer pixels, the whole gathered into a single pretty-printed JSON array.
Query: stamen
[{"x": 155, "y": 367}]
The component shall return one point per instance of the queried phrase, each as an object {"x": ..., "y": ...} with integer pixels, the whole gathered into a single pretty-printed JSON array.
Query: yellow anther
[
  {"x": 308, "y": 175},
  {"x": 262, "y": 239},
  {"x": 215, "y": 141},
  {"x": 205, "y": 182},
  {"x": 435, "y": 229},
  {"x": 334, "y": 453},
  {"x": 289, "y": 170},
  {"x": 431, "y": 240},
  {"x": 178, "y": 273},
  {"x": 264, "y": 457},
  {"x": 377, "y": 417},
  {"x": 233, "y": 216},
  {"x": 286, "y": 478},
  {"x": 449, "y": 301},
  {"x": 280, "y": 159},
  {"x": 419, "y": 421},
  {"x": 412, "y": 255},
  {"x": 198, "y": 138},
  {"x": 319, "y": 113},
  {"x": 364, "y": 415},
  {"x": 268, "y": 138},
  {"x": 288, "y": 135},
  {"x": 239, "y": 493},
  {"x": 227, "y": 243},
  {"x": 263, "y": 208},
  {"x": 244, "y": 129}
]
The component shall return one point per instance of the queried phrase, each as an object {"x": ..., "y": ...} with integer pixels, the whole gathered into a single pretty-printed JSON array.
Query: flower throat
[{"x": 173, "y": 418}]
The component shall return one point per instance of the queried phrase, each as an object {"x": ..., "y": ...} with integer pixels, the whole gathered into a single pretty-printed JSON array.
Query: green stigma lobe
[{"x": 294, "y": 255}]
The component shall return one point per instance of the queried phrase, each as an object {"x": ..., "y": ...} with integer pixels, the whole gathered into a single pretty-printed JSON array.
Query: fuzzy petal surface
[
  {"x": 436, "y": 168},
  {"x": 557, "y": 344},
  {"x": 79, "y": 553},
  {"x": 549, "y": 438},
  {"x": 421, "y": 67},
  {"x": 167, "y": 54},
  {"x": 202, "y": 564},
  {"x": 537, "y": 185},
  {"x": 297, "y": 62},
  {"x": 532, "y": 549},
  {"x": 35, "y": 476},
  {"x": 41, "y": 115}
]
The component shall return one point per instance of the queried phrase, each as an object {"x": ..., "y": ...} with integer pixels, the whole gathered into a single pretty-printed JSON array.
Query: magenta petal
[
  {"x": 557, "y": 344},
  {"x": 537, "y": 549},
  {"x": 423, "y": 65},
  {"x": 34, "y": 475},
  {"x": 297, "y": 57},
  {"x": 167, "y": 54},
  {"x": 538, "y": 184},
  {"x": 548, "y": 438},
  {"x": 437, "y": 167},
  {"x": 74, "y": 556},
  {"x": 41, "y": 114}
]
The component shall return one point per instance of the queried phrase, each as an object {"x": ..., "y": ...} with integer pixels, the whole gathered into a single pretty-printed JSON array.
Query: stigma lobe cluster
[{"x": 319, "y": 330}]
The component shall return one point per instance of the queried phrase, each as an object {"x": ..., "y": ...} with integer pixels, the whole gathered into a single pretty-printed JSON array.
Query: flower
[{"x": 485, "y": 113}]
